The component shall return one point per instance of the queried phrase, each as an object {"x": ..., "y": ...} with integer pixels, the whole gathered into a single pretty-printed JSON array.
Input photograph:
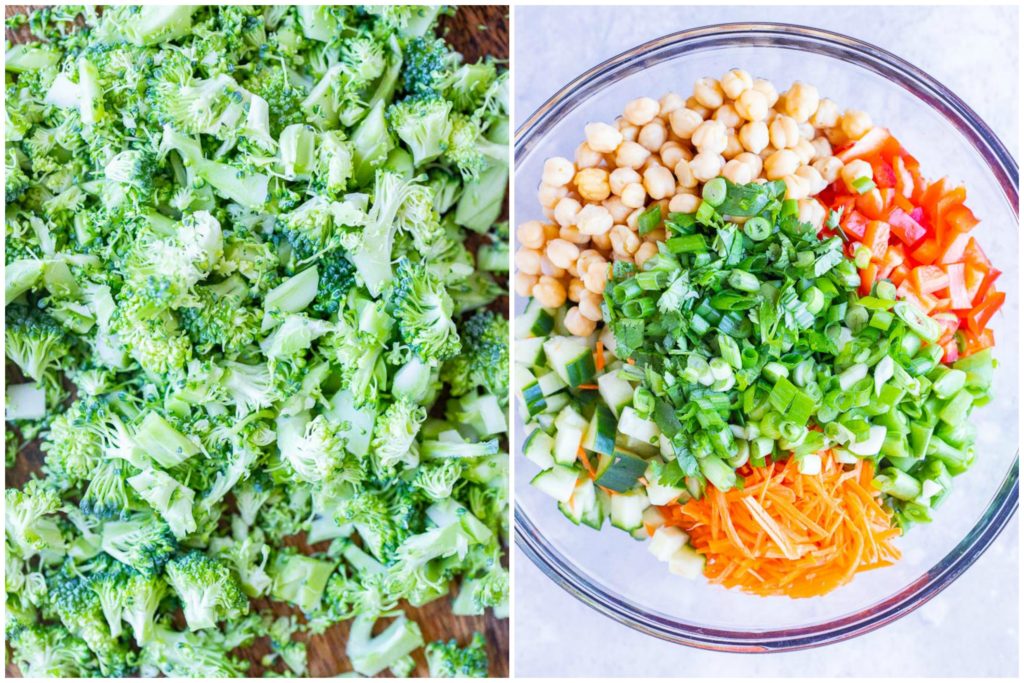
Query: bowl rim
[{"x": 955, "y": 111}]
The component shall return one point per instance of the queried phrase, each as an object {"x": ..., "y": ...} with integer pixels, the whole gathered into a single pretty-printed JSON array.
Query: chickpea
[
  {"x": 853, "y": 171},
  {"x": 706, "y": 166},
  {"x": 596, "y": 275},
  {"x": 549, "y": 268},
  {"x": 753, "y": 161},
  {"x": 558, "y": 171},
  {"x": 856, "y": 123},
  {"x": 531, "y": 234},
  {"x": 572, "y": 234},
  {"x": 827, "y": 114},
  {"x": 805, "y": 150},
  {"x": 735, "y": 82},
  {"x": 669, "y": 103},
  {"x": 634, "y": 195},
  {"x": 727, "y": 116},
  {"x": 710, "y": 137},
  {"x": 807, "y": 131},
  {"x": 633, "y": 220},
  {"x": 784, "y": 132},
  {"x": 822, "y": 150},
  {"x": 754, "y": 136},
  {"x": 590, "y": 305},
  {"x": 702, "y": 111},
  {"x": 629, "y": 131},
  {"x": 684, "y": 202},
  {"x": 780, "y": 164},
  {"x": 549, "y": 292},
  {"x": 524, "y": 283},
  {"x": 601, "y": 137},
  {"x": 752, "y": 105},
  {"x": 653, "y": 135},
  {"x": 594, "y": 220},
  {"x": 616, "y": 208},
  {"x": 641, "y": 111},
  {"x": 528, "y": 261},
  {"x": 801, "y": 101},
  {"x": 566, "y": 210},
  {"x": 586, "y": 157},
  {"x": 620, "y": 177},
  {"x": 562, "y": 253},
  {"x": 733, "y": 146},
  {"x": 684, "y": 174},
  {"x": 815, "y": 183},
  {"x": 771, "y": 95},
  {"x": 548, "y": 195},
  {"x": 829, "y": 168},
  {"x": 631, "y": 154},
  {"x": 811, "y": 211},
  {"x": 671, "y": 153},
  {"x": 575, "y": 289},
  {"x": 624, "y": 241},
  {"x": 588, "y": 257},
  {"x": 577, "y": 324},
  {"x": 836, "y": 136},
  {"x": 684, "y": 121},
  {"x": 708, "y": 92},
  {"x": 551, "y": 231},
  {"x": 646, "y": 251},
  {"x": 658, "y": 234},
  {"x": 592, "y": 184},
  {"x": 796, "y": 187},
  {"x": 737, "y": 172},
  {"x": 659, "y": 182},
  {"x": 602, "y": 242}
]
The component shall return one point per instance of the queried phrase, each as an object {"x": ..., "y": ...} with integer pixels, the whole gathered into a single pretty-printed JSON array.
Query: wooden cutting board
[{"x": 476, "y": 31}]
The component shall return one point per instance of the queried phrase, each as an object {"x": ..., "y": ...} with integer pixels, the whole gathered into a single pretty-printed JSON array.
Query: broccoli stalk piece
[
  {"x": 448, "y": 660},
  {"x": 146, "y": 25},
  {"x": 142, "y": 542},
  {"x": 208, "y": 590},
  {"x": 372, "y": 654},
  {"x": 249, "y": 190},
  {"x": 300, "y": 580},
  {"x": 170, "y": 498}
]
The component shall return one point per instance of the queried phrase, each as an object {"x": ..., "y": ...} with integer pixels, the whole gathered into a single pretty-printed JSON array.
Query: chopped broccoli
[
  {"x": 448, "y": 660},
  {"x": 209, "y": 592}
]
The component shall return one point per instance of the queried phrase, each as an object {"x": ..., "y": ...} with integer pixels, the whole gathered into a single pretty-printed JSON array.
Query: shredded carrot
[
  {"x": 586, "y": 462},
  {"x": 588, "y": 387},
  {"x": 599, "y": 356},
  {"x": 787, "y": 533},
  {"x": 631, "y": 361}
]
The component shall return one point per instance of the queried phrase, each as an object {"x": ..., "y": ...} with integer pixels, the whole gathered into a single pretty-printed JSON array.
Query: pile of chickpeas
[{"x": 662, "y": 152}]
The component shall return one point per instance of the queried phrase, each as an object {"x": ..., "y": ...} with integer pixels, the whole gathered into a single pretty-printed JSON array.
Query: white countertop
[{"x": 971, "y": 628}]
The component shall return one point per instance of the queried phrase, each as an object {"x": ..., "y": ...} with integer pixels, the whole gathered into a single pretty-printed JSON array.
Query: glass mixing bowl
[{"x": 616, "y": 575}]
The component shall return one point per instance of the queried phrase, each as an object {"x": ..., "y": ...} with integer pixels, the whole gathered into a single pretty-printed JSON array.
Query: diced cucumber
[
  {"x": 558, "y": 482},
  {"x": 686, "y": 562},
  {"x": 607, "y": 340},
  {"x": 594, "y": 517},
  {"x": 571, "y": 358},
  {"x": 661, "y": 495},
  {"x": 535, "y": 321},
  {"x": 627, "y": 510},
  {"x": 600, "y": 436},
  {"x": 569, "y": 417},
  {"x": 550, "y": 383},
  {"x": 636, "y": 427},
  {"x": 530, "y": 351},
  {"x": 620, "y": 471},
  {"x": 615, "y": 391},
  {"x": 567, "y": 444},
  {"x": 583, "y": 500},
  {"x": 539, "y": 447},
  {"x": 545, "y": 421},
  {"x": 666, "y": 541},
  {"x": 556, "y": 402},
  {"x": 641, "y": 448}
]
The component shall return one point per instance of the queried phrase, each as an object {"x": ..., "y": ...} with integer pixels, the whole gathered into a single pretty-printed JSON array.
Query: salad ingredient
[
  {"x": 245, "y": 323},
  {"x": 787, "y": 532}
]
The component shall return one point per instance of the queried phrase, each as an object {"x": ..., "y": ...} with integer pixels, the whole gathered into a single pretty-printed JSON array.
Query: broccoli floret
[
  {"x": 424, "y": 311},
  {"x": 484, "y": 360},
  {"x": 107, "y": 494},
  {"x": 209, "y": 592},
  {"x": 337, "y": 277},
  {"x": 142, "y": 542},
  {"x": 470, "y": 151},
  {"x": 142, "y": 597},
  {"x": 448, "y": 660},
  {"x": 202, "y": 654},
  {"x": 35, "y": 342},
  {"x": 394, "y": 435},
  {"x": 422, "y": 123},
  {"x": 426, "y": 65},
  {"x": 49, "y": 651},
  {"x": 29, "y": 518}
]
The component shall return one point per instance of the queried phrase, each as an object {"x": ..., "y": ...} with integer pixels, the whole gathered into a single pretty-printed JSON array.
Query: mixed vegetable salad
[{"x": 755, "y": 335}]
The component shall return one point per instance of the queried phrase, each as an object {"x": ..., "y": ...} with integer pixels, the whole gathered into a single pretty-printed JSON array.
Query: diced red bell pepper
[
  {"x": 868, "y": 276},
  {"x": 873, "y": 144},
  {"x": 905, "y": 227},
  {"x": 927, "y": 252},
  {"x": 950, "y": 352},
  {"x": 883, "y": 173},
  {"x": 959, "y": 298},
  {"x": 876, "y": 238},
  {"x": 854, "y": 224},
  {"x": 872, "y": 204},
  {"x": 974, "y": 255},
  {"x": 954, "y": 251},
  {"x": 929, "y": 279},
  {"x": 980, "y": 315}
]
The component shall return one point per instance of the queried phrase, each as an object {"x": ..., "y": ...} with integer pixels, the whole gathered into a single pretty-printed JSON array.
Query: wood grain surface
[{"x": 476, "y": 31}]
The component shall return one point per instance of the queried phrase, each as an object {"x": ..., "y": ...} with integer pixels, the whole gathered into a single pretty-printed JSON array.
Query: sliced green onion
[
  {"x": 757, "y": 228},
  {"x": 863, "y": 185},
  {"x": 744, "y": 281},
  {"x": 714, "y": 191}
]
